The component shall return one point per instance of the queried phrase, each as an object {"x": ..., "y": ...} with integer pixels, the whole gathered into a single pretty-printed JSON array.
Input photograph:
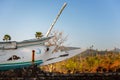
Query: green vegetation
[
  {"x": 7, "y": 37},
  {"x": 98, "y": 61},
  {"x": 38, "y": 35}
]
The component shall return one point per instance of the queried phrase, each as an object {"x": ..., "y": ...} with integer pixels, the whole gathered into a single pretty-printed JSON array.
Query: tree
[
  {"x": 7, "y": 37},
  {"x": 38, "y": 35},
  {"x": 57, "y": 41}
]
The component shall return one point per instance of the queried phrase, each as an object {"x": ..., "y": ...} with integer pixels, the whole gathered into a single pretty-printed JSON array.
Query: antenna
[{"x": 64, "y": 5}]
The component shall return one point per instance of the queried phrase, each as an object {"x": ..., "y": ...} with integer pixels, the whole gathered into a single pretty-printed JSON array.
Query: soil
[{"x": 35, "y": 73}]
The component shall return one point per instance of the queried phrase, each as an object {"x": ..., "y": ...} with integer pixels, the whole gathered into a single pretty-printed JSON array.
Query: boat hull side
[{"x": 9, "y": 66}]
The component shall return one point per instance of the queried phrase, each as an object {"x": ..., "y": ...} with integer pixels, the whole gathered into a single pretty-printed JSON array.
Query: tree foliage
[
  {"x": 7, "y": 37},
  {"x": 38, "y": 35}
]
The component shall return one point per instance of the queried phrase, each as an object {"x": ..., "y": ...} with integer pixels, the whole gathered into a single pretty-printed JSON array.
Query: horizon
[{"x": 85, "y": 22}]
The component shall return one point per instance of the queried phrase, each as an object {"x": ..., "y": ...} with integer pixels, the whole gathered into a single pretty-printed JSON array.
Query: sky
[{"x": 86, "y": 22}]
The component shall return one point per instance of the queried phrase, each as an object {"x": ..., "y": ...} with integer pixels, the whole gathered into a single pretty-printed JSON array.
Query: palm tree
[
  {"x": 7, "y": 37},
  {"x": 38, "y": 35}
]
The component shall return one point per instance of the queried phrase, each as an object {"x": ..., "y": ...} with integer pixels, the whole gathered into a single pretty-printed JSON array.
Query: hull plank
[{"x": 18, "y": 65}]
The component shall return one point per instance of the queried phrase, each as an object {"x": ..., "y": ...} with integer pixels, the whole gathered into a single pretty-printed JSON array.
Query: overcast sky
[{"x": 87, "y": 22}]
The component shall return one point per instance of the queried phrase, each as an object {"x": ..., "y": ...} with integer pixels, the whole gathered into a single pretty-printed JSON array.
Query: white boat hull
[{"x": 24, "y": 56}]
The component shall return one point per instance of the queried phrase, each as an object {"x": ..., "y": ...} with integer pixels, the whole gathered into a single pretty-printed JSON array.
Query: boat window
[
  {"x": 14, "y": 57},
  {"x": 63, "y": 55},
  {"x": 47, "y": 49},
  {"x": 50, "y": 59}
]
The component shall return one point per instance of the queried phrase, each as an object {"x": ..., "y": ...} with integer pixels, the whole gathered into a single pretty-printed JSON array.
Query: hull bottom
[{"x": 10, "y": 66}]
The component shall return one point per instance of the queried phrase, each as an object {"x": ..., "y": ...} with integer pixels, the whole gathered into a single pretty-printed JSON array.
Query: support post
[{"x": 33, "y": 56}]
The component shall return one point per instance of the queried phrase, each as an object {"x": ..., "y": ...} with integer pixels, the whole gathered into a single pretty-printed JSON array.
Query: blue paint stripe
[
  {"x": 18, "y": 65},
  {"x": 21, "y": 62}
]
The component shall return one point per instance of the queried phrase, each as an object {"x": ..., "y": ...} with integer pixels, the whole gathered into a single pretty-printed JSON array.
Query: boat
[{"x": 15, "y": 55}]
